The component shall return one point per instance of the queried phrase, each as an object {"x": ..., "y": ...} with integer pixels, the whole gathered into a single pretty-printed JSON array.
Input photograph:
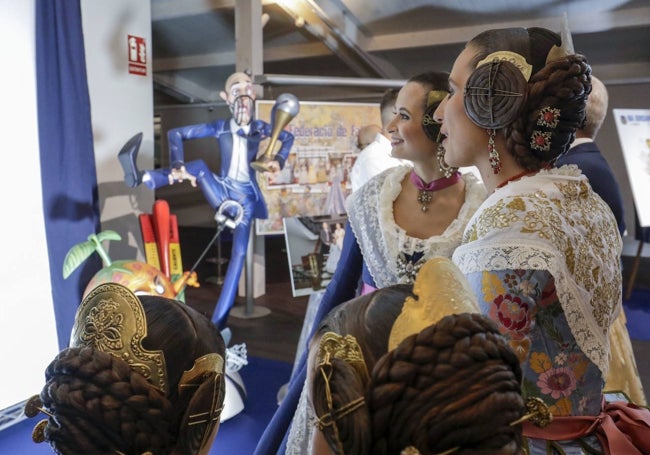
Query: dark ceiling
[{"x": 346, "y": 49}]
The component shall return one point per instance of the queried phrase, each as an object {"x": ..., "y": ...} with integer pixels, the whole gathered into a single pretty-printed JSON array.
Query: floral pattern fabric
[
  {"x": 525, "y": 306},
  {"x": 554, "y": 221},
  {"x": 542, "y": 255}
]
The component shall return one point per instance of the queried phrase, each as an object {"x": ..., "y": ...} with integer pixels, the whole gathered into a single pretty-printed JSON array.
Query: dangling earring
[
  {"x": 495, "y": 161},
  {"x": 446, "y": 169}
]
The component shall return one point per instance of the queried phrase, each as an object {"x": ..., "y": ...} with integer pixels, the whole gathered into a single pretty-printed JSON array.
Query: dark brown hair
[
  {"x": 102, "y": 405},
  {"x": 454, "y": 384},
  {"x": 562, "y": 84}
]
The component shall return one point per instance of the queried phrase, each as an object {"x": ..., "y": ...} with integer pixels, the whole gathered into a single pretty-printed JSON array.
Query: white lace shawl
[
  {"x": 554, "y": 221},
  {"x": 370, "y": 214}
]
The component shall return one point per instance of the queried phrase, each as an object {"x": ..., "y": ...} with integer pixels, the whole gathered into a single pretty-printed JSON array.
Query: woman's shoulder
[
  {"x": 386, "y": 183},
  {"x": 475, "y": 192}
]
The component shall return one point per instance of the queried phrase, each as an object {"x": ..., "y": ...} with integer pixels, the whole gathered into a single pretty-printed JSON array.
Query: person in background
[
  {"x": 396, "y": 222},
  {"x": 374, "y": 145},
  {"x": 542, "y": 253},
  {"x": 142, "y": 374},
  {"x": 325, "y": 237}
]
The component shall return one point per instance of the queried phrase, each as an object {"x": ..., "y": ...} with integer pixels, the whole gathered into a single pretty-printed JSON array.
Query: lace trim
[
  {"x": 383, "y": 242},
  {"x": 299, "y": 441},
  {"x": 554, "y": 221}
]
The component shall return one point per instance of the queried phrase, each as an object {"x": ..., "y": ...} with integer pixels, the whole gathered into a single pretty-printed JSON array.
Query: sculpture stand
[{"x": 249, "y": 310}]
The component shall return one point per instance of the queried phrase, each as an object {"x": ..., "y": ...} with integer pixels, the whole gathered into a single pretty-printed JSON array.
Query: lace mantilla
[
  {"x": 299, "y": 441},
  {"x": 392, "y": 256},
  {"x": 554, "y": 221}
]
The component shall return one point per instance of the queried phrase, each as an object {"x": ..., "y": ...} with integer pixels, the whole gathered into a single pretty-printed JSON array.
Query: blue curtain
[{"x": 69, "y": 180}]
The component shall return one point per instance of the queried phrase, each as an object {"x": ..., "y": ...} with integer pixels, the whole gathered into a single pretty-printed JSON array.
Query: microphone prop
[{"x": 286, "y": 107}]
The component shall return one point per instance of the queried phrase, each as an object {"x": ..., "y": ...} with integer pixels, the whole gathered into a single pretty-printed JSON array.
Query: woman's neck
[
  {"x": 508, "y": 174},
  {"x": 427, "y": 173}
]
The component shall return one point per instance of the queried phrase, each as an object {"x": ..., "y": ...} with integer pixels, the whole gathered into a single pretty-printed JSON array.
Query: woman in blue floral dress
[{"x": 542, "y": 252}]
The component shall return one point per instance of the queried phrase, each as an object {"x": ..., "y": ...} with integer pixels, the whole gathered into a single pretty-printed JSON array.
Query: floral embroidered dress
[
  {"x": 542, "y": 255},
  {"x": 375, "y": 243}
]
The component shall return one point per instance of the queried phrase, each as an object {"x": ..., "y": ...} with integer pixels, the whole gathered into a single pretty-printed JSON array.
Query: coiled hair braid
[
  {"x": 562, "y": 84},
  {"x": 455, "y": 384},
  {"x": 102, "y": 405}
]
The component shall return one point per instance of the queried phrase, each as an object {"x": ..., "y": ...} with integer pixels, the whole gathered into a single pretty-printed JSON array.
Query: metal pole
[{"x": 289, "y": 79}]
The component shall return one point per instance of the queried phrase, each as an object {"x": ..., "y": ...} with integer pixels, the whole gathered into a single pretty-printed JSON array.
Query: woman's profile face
[
  {"x": 465, "y": 143},
  {"x": 406, "y": 134}
]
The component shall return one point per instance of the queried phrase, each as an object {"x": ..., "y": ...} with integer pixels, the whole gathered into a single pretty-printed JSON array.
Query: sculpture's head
[{"x": 239, "y": 93}]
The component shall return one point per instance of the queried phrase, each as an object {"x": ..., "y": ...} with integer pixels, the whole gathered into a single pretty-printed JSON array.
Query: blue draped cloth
[{"x": 68, "y": 176}]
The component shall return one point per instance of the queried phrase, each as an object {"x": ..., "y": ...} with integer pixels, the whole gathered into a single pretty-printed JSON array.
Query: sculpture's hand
[
  {"x": 180, "y": 174},
  {"x": 274, "y": 167}
]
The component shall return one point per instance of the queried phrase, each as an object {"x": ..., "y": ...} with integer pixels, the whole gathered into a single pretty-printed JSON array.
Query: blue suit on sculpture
[
  {"x": 239, "y": 138},
  {"x": 232, "y": 182}
]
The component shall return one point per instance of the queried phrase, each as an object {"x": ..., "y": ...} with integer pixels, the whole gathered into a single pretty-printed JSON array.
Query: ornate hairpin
[
  {"x": 346, "y": 348},
  {"x": 548, "y": 117},
  {"x": 547, "y": 121},
  {"x": 566, "y": 47},
  {"x": 429, "y": 124},
  {"x": 335, "y": 346}
]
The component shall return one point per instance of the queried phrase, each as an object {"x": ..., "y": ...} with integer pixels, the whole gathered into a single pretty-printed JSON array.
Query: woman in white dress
[{"x": 396, "y": 222}]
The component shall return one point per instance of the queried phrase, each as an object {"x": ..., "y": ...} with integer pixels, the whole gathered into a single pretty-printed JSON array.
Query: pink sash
[
  {"x": 367, "y": 289},
  {"x": 621, "y": 428}
]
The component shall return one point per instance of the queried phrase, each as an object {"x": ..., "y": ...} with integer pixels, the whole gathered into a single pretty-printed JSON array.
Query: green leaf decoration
[{"x": 82, "y": 251}]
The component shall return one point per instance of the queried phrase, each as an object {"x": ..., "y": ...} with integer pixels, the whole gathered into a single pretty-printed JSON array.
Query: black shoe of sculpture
[{"x": 128, "y": 156}]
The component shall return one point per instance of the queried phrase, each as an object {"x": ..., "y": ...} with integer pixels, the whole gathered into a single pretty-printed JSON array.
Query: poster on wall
[
  {"x": 316, "y": 177},
  {"x": 633, "y": 126},
  {"x": 314, "y": 246}
]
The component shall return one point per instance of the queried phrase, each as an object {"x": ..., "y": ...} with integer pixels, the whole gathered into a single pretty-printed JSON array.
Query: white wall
[
  {"x": 28, "y": 340},
  {"x": 121, "y": 106},
  {"x": 630, "y": 96}
]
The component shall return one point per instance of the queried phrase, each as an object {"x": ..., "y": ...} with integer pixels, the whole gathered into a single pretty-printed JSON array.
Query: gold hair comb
[
  {"x": 435, "y": 96},
  {"x": 111, "y": 319},
  {"x": 512, "y": 57}
]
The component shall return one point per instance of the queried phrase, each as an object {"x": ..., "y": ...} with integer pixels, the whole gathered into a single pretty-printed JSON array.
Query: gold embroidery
[{"x": 574, "y": 224}]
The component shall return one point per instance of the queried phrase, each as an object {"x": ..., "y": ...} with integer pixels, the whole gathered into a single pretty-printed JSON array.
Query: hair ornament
[
  {"x": 111, "y": 319},
  {"x": 542, "y": 136},
  {"x": 541, "y": 141},
  {"x": 429, "y": 124},
  {"x": 334, "y": 346},
  {"x": 346, "y": 348},
  {"x": 206, "y": 365},
  {"x": 538, "y": 413},
  {"x": 512, "y": 57},
  {"x": 440, "y": 289},
  {"x": 548, "y": 117},
  {"x": 496, "y": 90},
  {"x": 566, "y": 47},
  {"x": 436, "y": 96}
]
